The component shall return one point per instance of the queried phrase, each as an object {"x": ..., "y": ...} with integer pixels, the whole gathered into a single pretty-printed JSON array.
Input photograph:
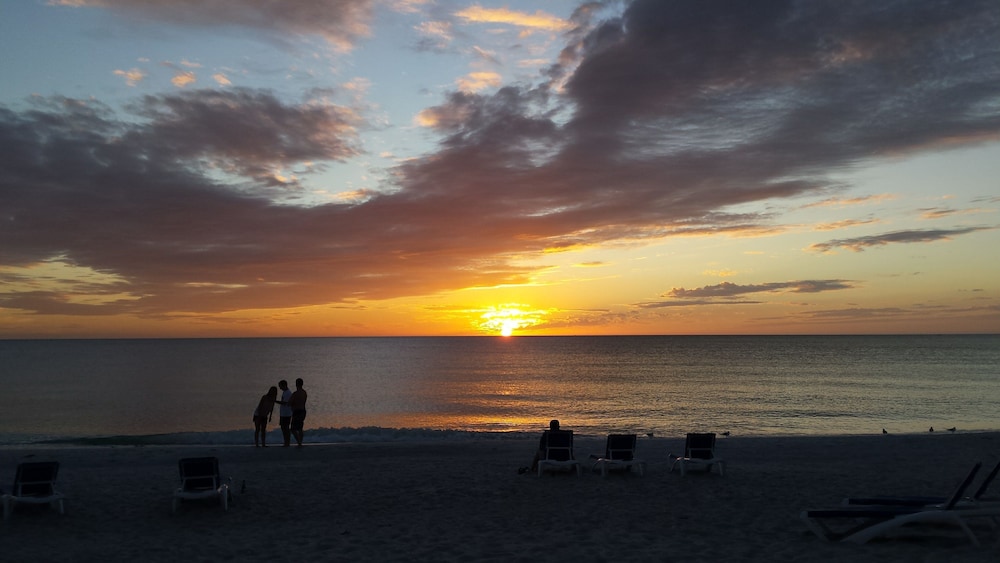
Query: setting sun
[
  {"x": 507, "y": 327},
  {"x": 505, "y": 319}
]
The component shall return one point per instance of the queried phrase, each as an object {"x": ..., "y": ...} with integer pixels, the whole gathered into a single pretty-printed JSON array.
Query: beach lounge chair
[
  {"x": 559, "y": 453},
  {"x": 200, "y": 480},
  {"x": 619, "y": 453},
  {"x": 976, "y": 497},
  {"x": 34, "y": 483},
  {"x": 699, "y": 452},
  {"x": 866, "y": 522}
]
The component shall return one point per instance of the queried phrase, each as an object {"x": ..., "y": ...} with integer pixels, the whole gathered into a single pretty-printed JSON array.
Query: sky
[{"x": 242, "y": 168}]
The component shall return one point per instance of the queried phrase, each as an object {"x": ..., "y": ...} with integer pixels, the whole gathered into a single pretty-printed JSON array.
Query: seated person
[{"x": 543, "y": 443}]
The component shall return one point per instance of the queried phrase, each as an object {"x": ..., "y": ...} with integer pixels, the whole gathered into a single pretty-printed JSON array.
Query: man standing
[
  {"x": 285, "y": 412},
  {"x": 298, "y": 403}
]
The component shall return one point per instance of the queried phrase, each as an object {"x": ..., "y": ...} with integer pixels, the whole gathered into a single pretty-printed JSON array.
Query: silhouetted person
[
  {"x": 298, "y": 403},
  {"x": 262, "y": 415},
  {"x": 285, "y": 412},
  {"x": 543, "y": 443}
]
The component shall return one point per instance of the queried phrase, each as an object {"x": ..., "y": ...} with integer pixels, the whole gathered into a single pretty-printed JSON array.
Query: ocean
[{"x": 378, "y": 389}]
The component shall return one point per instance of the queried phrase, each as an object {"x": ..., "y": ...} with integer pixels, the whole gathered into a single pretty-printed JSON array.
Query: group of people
[{"x": 291, "y": 413}]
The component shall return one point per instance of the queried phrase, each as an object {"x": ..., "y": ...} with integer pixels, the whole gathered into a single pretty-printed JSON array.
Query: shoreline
[
  {"x": 463, "y": 500},
  {"x": 374, "y": 434}
]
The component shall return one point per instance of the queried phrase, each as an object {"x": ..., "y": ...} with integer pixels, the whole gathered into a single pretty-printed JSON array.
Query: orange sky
[{"x": 245, "y": 168}]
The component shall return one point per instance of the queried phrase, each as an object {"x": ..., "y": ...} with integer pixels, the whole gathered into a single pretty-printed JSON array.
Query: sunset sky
[{"x": 431, "y": 167}]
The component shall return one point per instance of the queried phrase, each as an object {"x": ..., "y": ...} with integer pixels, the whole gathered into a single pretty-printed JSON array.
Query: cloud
[
  {"x": 657, "y": 123},
  {"x": 728, "y": 289},
  {"x": 132, "y": 76},
  {"x": 183, "y": 78},
  {"x": 435, "y": 35},
  {"x": 476, "y": 81},
  {"x": 339, "y": 22},
  {"x": 539, "y": 20},
  {"x": 729, "y": 293},
  {"x": 858, "y": 244},
  {"x": 847, "y": 223},
  {"x": 841, "y": 202}
]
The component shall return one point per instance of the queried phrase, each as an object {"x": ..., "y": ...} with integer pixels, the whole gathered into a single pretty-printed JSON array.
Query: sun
[
  {"x": 507, "y": 318},
  {"x": 507, "y": 327}
]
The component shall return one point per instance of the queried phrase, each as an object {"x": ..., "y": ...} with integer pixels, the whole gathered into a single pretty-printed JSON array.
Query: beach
[{"x": 463, "y": 500}]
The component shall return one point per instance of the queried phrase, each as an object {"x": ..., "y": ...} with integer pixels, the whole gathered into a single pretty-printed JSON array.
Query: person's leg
[
  {"x": 286, "y": 430},
  {"x": 298, "y": 420}
]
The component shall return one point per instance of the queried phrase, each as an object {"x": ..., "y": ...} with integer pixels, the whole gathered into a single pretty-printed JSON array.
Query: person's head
[
  {"x": 553, "y": 424},
  {"x": 282, "y": 385},
  {"x": 298, "y": 383},
  {"x": 273, "y": 391}
]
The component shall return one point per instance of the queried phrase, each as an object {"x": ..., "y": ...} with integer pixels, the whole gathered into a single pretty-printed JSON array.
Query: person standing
[
  {"x": 298, "y": 403},
  {"x": 262, "y": 415},
  {"x": 285, "y": 412}
]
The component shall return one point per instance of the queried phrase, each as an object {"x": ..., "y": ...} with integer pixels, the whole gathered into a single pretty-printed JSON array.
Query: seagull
[{"x": 952, "y": 429}]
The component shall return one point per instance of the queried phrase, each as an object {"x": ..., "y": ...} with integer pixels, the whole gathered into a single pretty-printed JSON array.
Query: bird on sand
[
  {"x": 952, "y": 429},
  {"x": 932, "y": 429},
  {"x": 884, "y": 431},
  {"x": 726, "y": 433}
]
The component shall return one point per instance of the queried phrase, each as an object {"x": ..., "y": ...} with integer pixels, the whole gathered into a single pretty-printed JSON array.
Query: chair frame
[
  {"x": 874, "y": 521},
  {"x": 619, "y": 453},
  {"x": 559, "y": 444},
  {"x": 200, "y": 479},
  {"x": 699, "y": 452},
  {"x": 34, "y": 483}
]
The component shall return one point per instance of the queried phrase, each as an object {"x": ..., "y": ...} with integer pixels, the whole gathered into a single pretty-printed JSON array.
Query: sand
[{"x": 465, "y": 501}]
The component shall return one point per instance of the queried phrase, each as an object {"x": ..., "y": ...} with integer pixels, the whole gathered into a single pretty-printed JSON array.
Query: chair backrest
[
  {"x": 36, "y": 478},
  {"x": 559, "y": 445},
  {"x": 199, "y": 473},
  {"x": 700, "y": 445},
  {"x": 960, "y": 491},
  {"x": 987, "y": 481},
  {"x": 620, "y": 446}
]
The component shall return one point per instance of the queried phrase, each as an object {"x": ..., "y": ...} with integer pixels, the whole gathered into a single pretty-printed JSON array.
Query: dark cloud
[
  {"x": 339, "y": 21},
  {"x": 730, "y": 293},
  {"x": 669, "y": 116},
  {"x": 727, "y": 289},
  {"x": 693, "y": 303},
  {"x": 858, "y": 244}
]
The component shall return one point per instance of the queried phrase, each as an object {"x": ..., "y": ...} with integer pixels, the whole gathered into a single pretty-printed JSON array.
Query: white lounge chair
[
  {"x": 200, "y": 480},
  {"x": 866, "y": 522},
  {"x": 559, "y": 453},
  {"x": 977, "y": 497},
  {"x": 699, "y": 452},
  {"x": 619, "y": 453},
  {"x": 34, "y": 483}
]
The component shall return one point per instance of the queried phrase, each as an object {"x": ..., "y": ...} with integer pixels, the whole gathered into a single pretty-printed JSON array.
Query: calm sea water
[{"x": 400, "y": 388}]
